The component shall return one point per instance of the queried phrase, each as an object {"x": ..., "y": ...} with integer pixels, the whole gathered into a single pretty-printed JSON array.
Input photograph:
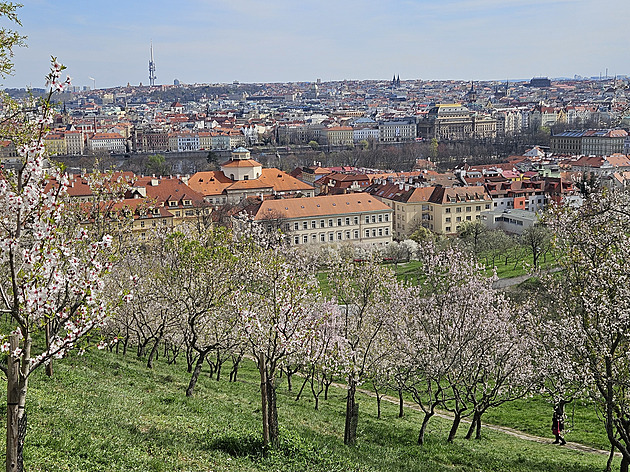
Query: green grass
[
  {"x": 515, "y": 269},
  {"x": 533, "y": 416},
  {"x": 105, "y": 412}
]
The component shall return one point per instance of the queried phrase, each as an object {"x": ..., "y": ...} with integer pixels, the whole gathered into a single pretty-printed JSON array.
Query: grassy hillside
[{"x": 105, "y": 412}]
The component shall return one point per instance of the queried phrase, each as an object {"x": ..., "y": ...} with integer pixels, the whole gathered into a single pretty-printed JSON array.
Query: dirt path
[{"x": 501, "y": 429}]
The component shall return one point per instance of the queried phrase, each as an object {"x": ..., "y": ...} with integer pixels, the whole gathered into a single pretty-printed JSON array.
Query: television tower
[{"x": 152, "y": 76}]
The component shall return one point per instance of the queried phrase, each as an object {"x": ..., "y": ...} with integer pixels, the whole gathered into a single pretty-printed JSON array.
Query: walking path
[
  {"x": 501, "y": 429},
  {"x": 511, "y": 281}
]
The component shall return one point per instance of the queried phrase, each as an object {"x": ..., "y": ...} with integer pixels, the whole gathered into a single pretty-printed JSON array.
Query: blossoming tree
[
  {"x": 279, "y": 315},
  {"x": 368, "y": 296},
  {"x": 51, "y": 277},
  {"x": 593, "y": 303}
]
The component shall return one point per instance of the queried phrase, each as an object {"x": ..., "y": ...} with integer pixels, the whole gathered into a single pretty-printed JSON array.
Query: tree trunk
[
  {"x": 624, "y": 465},
  {"x": 378, "y": 403},
  {"x": 352, "y": 415},
  {"x": 13, "y": 395},
  {"x": 190, "y": 358},
  {"x": 262, "y": 368},
  {"x": 235, "y": 363},
  {"x": 423, "y": 427},
  {"x": 327, "y": 384},
  {"x": 195, "y": 374},
  {"x": 453, "y": 431},
  {"x": 272, "y": 417},
  {"x": 49, "y": 366},
  {"x": 299, "y": 395},
  {"x": 473, "y": 425},
  {"x": 218, "y": 376},
  {"x": 401, "y": 403},
  {"x": 152, "y": 354},
  {"x": 17, "y": 384},
  {"x": 478, "y": 432}
]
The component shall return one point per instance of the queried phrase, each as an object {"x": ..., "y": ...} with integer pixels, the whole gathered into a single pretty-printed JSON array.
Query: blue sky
[{"x": 209, "y": 41}]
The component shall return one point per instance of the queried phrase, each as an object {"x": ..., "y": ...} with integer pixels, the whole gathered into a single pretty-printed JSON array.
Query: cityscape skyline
[{"x": 218, "y": 41}]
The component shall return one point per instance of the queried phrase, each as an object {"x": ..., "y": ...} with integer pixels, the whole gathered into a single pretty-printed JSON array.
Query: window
[
  {"x": 448, "y": 229},
  {"x": 374, "y": 232},
  {"x": 458, "y": 219},
  {"x": 380, "y": 231},
  {"x": 313, "y": 224},
  {"x": 339, "y": 235},
  {"x": 380, "y": 218},
  {"x": 305, "y": 239},
  {"x": 331, "y": 236},
  {"x": 314, "y": 237},
  {"x": 386, "y": 216},
  {"x": 142, "y": 224},
  {"x": 367, "y": 233},
  {"x": 322, "y": 223},
  {"x": 488, "y": 206},
  {"x": 304, "y": 225},
  {"x": 373, "y": 218},
  {"x": 495, "y": 204},
  {"x": 468, "y": 218},
  {"x": 448, "y": 210},
  {"x": 386, "y": 231},
  {"x": 448, "y": 220},
  {"x": 356, "y": 234},
  {"x": 458, "y": 210},
  {"x": 348, "y": 221},
  {"x": 367, "y": 218},
  {"x": 322, "y": 237},
  {"x": 356, "y": 220},
  {"x": 330, "y": 222},
  {"x": 347, "y": 234},
  {"x": 338, "y": 221},
  {"x": 296, "y": 226},
  {"x": 468, "y": 209},
  {"x": 478, "y": 208},
  {"x": 296, "y": 240}
]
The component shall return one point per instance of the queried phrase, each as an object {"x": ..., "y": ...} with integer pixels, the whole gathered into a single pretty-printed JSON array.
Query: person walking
[{"x": 557, "y": 427}]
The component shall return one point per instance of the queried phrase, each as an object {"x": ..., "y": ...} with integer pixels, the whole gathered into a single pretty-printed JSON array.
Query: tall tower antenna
[{"x": 152, "y": 76}]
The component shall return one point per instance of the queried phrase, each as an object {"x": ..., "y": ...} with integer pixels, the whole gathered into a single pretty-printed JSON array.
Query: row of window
[
  {"x": 459, "y": 218},
  {"x": 339, "y": 236},
  {"x": 468, "y": 208},
  {"x": 380, "y": 218}
]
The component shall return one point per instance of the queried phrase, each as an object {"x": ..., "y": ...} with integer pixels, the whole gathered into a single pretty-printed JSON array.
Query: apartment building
[
  {"x": 353, "y": 218},
  {"x": 112, "y": 142},
  {"x": 442, "y": 210}
]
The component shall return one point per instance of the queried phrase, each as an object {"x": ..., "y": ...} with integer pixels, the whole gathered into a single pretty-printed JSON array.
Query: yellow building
[
  {"x": 338, "y": 136},
  {"x": 355, "y": 218},
  {"x": 442, "y": 210},
  {"x": 55, "y": 144}
]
